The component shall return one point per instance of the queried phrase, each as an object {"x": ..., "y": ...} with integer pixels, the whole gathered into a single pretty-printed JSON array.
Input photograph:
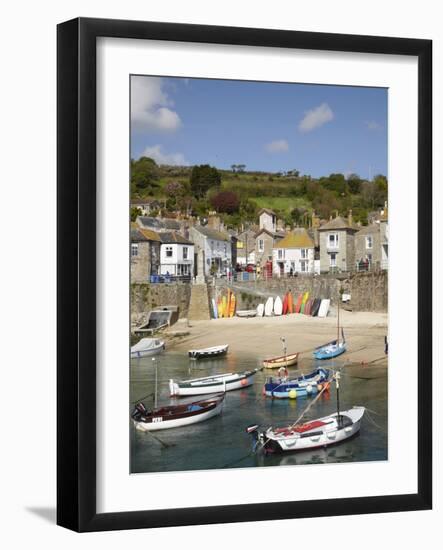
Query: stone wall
[
  {"x": 146, "y": 296},
  {"x": 369, "y": 291}
]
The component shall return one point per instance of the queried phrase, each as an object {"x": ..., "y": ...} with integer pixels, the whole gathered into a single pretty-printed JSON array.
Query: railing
[{"x": 170, "y": 278}]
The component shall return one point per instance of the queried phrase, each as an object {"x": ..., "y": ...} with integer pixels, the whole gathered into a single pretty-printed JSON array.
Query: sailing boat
[
  {"x": 334, "y": 348},
  {"x": 322, "y": 432}
]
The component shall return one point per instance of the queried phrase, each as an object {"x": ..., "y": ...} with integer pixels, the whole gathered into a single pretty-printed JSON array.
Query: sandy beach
[{"x": 260, "y": 336}]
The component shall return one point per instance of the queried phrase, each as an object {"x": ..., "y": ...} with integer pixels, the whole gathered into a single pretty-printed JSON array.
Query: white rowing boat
[
  {"x": 146, "y": 347},
  {"x": 203, "y": 353},
  {"x": 213, "y": 384}
]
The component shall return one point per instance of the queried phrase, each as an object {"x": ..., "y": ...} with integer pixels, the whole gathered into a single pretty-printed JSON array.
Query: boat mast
[
  {"x": 283, "y": 339},
  {"x": 338, "y": 318},
  {"x": 337, "y": 385},
  {"x": 155, "y": 392}
]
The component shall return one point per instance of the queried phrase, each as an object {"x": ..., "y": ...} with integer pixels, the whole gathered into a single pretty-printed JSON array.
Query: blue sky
[{"x": 315, "y": 129}]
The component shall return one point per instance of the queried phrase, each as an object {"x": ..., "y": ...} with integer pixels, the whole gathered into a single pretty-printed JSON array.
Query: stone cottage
[
  {"x": 145, "y": 254},
  {"x": 267, "y": 236},
  {"x": 214, "y": 248},
  {"x": 337, "y": 246}
]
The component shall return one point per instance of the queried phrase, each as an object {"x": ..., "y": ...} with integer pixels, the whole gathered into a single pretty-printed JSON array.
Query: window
[
  {"x": 169, "y": 251},
  {"x": 304, "y": 253},
  {"x": 369, "y": 242},
  {"x": 185, "y": 252},
  {"x": 333, "y": 259},
  {"x": 303, "y": 266},
  {"x": 332, "y": 240},
  {"x": 281, "y": 254},
  {"x": 134, "y": 249},
  {"x": 261, "y": 245}
]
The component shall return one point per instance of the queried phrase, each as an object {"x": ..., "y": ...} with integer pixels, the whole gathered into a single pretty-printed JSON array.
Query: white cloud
[
  {"x": 277, "y": 146},
  {"x": 316, "y": 118},
  {"x": 150, "y": 105},
  {"x": 372, "y": 125},
  {"x": 156, "y": 152}
]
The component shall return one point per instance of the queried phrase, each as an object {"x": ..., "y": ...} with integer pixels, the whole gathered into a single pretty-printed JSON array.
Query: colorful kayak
[
  {"x": 278, "y": 306},
  {"x": 285, "y": 304},
  {"x": 298, "y": 304},
  {"x": 290, "y": 303},
  {"x": 303, "y": 303},
  {"x": 232, "y": 305}
]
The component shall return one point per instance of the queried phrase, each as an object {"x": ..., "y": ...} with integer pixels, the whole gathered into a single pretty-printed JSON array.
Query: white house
[
  {"x": 176, "y": 255},
  {"x": 215, "y": 247},
  {"x": 293, "y": 254}
]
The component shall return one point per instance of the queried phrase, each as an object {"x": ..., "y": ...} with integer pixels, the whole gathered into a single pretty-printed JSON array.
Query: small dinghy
[
  {"x": 309, "y": 384},
  {"x": 288, "y": 360},
  {"x": 334, "y": 348},
  {"x": 321, "y": 432},
  {"x": 211, "y": 384},
  {"x": 146, "y": 347},
  {"x": 246, "y": 313},
  {"x": 205, "y": 353},
  {"x": 175, "y": 416}
]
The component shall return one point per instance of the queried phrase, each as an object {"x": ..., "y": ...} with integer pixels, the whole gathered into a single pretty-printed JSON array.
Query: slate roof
[
  {"x": 337, "y": 223},
  {"x": 369, "y": 229},
  {"x": 158, "y": 224},
  {"x": 212, "y": 233},
  {"x": 139, "y": 234},
  {"x": 274, "y": 234},
  {"x": 268, "y": 211},
  {"x": 298, "y": 238},
  {"x": 171, "y": 238}
]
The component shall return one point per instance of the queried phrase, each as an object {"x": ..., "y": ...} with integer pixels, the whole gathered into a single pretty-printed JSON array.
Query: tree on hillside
[
  {"x": 381, "y": 182},
  {"x": 354, "y": 183},
  {"x": 203, "y": 178},
  {"x": 335, "y": 183},
  {"x": 226, "y": 202},
  {"x": 144, "y": 176}
]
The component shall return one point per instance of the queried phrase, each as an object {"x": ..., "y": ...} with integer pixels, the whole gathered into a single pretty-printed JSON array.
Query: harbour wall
[
  {"x": 369, "y": 290},
  {"x": 146, "y": 296}
]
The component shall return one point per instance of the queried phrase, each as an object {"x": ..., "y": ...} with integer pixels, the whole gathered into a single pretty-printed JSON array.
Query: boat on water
[
  {"x": 288, "y": 360},
  {"x": 175, "y": 416},
  {"x": 321, "y": 432},
  {"x": 204, "y": 353},
  {"x": 308, "y": 384},
  {"x": 146, "y": 347},
  {"x": 246, "y": 313},
  {"x": 213, "y": 384},
  {"x": 335, "y": 347}
]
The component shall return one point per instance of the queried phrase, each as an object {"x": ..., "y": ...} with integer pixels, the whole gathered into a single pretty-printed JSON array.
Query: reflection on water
[{"x": 222, "y": 442}]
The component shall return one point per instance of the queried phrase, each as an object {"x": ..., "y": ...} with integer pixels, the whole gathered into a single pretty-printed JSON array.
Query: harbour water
[{"x": 222, "y": 441}]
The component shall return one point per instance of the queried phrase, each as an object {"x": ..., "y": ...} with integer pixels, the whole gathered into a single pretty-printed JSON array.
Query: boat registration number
[{"x": 157, "y": 419}]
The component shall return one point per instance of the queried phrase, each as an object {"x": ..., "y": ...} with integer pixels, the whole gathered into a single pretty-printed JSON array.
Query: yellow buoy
[{"x": 292, "y": 394}]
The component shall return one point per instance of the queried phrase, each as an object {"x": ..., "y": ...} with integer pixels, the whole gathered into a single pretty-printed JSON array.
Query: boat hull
[
  {"x": 285, "y": 361},
  {"x": 207, "y": 353},
  {"x": 330, "y": 352},
  {"x": 163, "y": 423},
  {"x": 330, "y": 435},
  {"x": 147, "y": 353},
  {"x": 237, "y": 382},
  {"x": 302, "y": 386}
]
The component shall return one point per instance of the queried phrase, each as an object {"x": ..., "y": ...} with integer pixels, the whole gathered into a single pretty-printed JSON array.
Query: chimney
[{"x": 350, "y": 221}]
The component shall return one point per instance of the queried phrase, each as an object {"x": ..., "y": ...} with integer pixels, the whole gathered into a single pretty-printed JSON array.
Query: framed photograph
[{"x": 244, "y": 274}]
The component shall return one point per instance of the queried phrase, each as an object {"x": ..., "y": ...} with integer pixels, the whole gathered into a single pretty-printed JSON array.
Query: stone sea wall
[{"x": 146, "y": 296}]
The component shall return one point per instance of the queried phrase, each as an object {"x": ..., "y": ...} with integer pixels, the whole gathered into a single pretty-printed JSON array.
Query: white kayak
[
  {"x": 146, "y": 347},
  {"x": 269, "y": 306},
  {"x": 324, "y": 307},
  {"x": 260, "y": 310},
  {"x": 278, "y": 306},
  {"x": 213, "y": 384},
  {"x": 322, "y": 432}
]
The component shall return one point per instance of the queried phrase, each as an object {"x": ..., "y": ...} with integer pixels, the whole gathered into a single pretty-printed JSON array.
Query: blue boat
[
  {"x": 301, "y": 386},
  {"x": 331, "y": 349}
]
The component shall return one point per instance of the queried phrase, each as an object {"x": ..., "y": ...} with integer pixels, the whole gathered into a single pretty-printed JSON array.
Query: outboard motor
[
  {"x": 252, "y": 429},
  {"x": 139, "y": 411}
]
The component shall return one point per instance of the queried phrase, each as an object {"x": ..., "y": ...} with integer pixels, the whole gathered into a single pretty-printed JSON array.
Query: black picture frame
[{"x": 76, "y": 280}]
